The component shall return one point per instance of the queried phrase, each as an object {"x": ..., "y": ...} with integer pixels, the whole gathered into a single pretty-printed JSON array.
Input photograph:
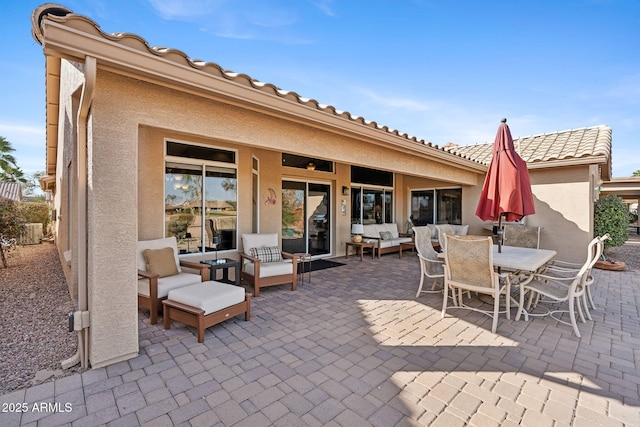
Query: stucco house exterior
[{"x": 134, "y": 131}]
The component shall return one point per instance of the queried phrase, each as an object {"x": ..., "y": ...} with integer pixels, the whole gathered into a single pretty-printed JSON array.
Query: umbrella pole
[{"x": 500, "y": 234}]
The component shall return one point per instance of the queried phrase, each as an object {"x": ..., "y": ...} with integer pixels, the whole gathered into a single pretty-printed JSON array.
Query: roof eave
[
  {"x": 174, "y": 70},
  {"x": 587, "y": 160}
]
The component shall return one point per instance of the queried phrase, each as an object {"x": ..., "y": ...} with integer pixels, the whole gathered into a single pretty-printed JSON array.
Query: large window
[
  {"x": 371, "y": 205},
  {"x": 200, "y": 198},
  {"x": 442, "y": 206},
  {"x": 372, "y": 197}
]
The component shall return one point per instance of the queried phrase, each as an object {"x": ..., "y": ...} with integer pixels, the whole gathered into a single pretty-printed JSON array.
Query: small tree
[
  {"x": 611, "y": 216},
  {"x": 11, "y": 225}
]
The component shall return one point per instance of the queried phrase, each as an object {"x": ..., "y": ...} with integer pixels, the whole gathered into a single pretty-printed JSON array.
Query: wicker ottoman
[{"x": 205, "y": 304}]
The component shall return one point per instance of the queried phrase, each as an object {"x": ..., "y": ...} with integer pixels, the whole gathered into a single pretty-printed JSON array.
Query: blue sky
[{"x": 440, "y": 70}]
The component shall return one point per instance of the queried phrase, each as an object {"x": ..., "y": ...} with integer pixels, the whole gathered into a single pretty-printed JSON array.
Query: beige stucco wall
[
  {"x": 564, "y": 210},
  {"x": 173, "y": 115},
  {"x": 112, "y": 228}
]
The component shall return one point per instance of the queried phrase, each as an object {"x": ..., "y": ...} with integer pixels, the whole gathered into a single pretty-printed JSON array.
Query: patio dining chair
[
  {"x": 595, "y": 250},
  {"x": 563, "y": 285},
  {"x": 469, "y": 267},
  {"x": 521, "y": 236},
  {"x": 430, "y": 265}
]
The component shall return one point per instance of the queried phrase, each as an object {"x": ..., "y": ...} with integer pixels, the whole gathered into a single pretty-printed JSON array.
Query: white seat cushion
[
  {"x": 269, "y": 269},
  {"x": 208, "y": 296},
  {"x": 166, "y": 284}
]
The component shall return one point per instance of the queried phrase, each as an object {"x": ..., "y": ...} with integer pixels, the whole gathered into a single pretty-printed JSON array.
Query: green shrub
[
  {"x": 611, "y": 216},
  {"x": 11, "y": 226},
  {"x": 35, "y": 212},
  {"x": 11, "y": 221}
]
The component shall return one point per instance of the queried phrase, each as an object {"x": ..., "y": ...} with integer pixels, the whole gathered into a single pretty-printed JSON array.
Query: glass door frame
[{"x": 326, "y": 222}]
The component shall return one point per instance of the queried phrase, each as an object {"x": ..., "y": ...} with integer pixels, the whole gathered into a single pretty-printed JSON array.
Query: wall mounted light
[{"x": 345, "y": 190}]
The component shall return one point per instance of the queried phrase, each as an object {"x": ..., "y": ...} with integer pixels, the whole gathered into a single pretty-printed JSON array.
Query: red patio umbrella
[{"x": 507, "y": 187}]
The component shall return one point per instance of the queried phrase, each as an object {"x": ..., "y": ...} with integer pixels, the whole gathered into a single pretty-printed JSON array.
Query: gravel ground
[
  {"x": 34, "y": 302},
  {"x": 629, "y": 253}
]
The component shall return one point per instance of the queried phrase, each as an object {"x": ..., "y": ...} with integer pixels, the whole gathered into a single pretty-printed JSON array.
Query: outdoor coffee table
[
  {"x": 359, "y": 248},
  {"x": 223, "y": 264}
]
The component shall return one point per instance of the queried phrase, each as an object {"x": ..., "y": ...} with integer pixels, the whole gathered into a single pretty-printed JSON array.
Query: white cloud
[
  {"x": 6, "y": 129},
  {"x": 324, "y": 6},
  {"x": 184, "y": 9}
]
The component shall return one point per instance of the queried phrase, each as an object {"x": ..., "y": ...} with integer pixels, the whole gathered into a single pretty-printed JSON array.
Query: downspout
[{"x": 81, "y": 318}]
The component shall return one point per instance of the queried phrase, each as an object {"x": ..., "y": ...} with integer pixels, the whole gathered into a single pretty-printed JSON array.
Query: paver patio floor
[{"x": 355, "y": 348}]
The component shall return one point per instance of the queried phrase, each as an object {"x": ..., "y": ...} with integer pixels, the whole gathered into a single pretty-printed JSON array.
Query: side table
[
  {"x": 304, "y": 261},
  {"x": 406, "y": 245},
  {"x": 223, "y": 264},
  {"x": 359, "y": 248}
]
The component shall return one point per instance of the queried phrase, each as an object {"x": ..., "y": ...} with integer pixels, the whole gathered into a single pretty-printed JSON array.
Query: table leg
[{"x": 238, "y": 274}]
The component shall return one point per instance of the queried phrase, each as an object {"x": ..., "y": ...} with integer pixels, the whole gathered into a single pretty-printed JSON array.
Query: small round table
[{"x": 304, "y": 262}]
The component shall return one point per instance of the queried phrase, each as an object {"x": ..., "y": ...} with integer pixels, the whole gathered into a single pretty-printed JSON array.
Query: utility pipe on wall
[{"x": 82, "y": 319}]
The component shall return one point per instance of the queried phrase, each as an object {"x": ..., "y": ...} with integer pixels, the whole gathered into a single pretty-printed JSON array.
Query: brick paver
[{"x": 355, "y": 347}]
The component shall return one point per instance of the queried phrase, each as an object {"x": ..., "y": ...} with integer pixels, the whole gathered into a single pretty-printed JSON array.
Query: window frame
[
  {"x": 203, "y": 164},
  {"x": 435, "y": 196}
]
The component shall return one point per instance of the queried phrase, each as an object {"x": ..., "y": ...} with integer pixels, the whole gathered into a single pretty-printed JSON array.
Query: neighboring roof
[
  {"x": 584, "y": 145},
  {"x": 626, "y": 187},
  {"x": 87, "y": 32},
  {"x": 11, "y": 190}
]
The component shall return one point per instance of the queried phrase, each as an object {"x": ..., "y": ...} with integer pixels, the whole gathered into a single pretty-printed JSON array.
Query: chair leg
[
  {"x": 572, "y": 315},
  {"x": 421, "y": 282},
  {"x": 578, "y": 302},
  {"x": 585, "y": 305},
  {"x": 445, "y": 297},
  {"x": 496, "y": 309},
  {"x": 590, "y": 297},
  {"x": 153, "y": 312}
]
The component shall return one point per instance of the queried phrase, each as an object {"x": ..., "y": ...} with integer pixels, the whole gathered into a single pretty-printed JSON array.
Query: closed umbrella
[{"x": 506, "y": 192}]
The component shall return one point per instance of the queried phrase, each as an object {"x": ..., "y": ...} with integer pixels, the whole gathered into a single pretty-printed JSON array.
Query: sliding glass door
[{"x": 306, "y": 217}]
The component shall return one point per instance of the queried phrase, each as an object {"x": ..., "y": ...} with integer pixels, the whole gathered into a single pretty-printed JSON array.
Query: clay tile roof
[
  {"x": 11, "y": 190},
  {"x": 63, "y": 15},
  {"x": 562, "y": 145}
]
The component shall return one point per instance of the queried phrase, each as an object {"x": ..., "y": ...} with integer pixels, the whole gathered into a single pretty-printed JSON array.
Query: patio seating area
[{"x": 356, "y": 347}]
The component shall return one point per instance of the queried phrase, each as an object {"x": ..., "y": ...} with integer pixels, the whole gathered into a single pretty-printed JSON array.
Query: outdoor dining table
[{"x": 525, "y": 260}]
